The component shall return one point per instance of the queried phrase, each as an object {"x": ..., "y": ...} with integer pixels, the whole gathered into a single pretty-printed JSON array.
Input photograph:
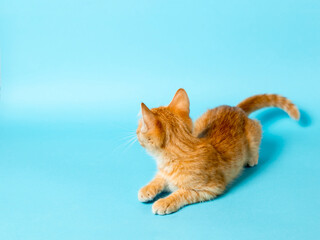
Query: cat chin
[
  {"x": 153, "y": 152},
  {"x": 158, "y": 156}
]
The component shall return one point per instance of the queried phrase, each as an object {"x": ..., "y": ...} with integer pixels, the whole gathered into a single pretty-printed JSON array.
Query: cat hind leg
[{"x": 254, "y": 134}]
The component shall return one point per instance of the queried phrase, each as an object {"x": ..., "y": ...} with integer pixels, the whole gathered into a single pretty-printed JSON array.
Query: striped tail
[{"x": 257, "y": 102}]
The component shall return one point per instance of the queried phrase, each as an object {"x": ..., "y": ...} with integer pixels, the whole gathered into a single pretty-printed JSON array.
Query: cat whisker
[
  {"x": 129, "y": 142},
  {"x": 128, "y": 137},
  {"x": 130, "y": 145}
]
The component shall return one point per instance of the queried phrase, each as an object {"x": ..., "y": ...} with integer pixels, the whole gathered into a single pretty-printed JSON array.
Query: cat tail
[{"x": 257, "y": 102}]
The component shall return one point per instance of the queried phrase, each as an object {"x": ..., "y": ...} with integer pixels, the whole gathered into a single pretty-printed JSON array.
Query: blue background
[{"x": 73, "y": 75}]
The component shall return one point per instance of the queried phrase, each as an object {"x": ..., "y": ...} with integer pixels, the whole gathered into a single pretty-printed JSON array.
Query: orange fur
[{"x": 197, "y": 161}]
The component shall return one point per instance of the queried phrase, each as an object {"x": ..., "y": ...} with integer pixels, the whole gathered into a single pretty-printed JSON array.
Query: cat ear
[
  {"x": 148, "y": 118},
  {"x": 180, "y": 102}
]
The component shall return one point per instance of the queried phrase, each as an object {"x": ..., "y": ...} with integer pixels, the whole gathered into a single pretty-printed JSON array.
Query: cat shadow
[
  {"x": 270, "y": 148},
  {"x": 160, "y": 195},
  {"x": 271, "y": 116},
  {"x": 305, "y": 119}
]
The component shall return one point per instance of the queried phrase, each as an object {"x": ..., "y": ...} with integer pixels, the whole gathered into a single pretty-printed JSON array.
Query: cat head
[{"x": 156, "y": 125}]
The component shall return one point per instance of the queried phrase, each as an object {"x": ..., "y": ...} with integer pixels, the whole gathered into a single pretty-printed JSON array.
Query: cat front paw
[
  {"x": 147, "y": 193},
  {"x": 165, "y": 206}
]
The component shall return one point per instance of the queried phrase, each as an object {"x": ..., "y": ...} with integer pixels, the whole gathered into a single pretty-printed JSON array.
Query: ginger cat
[{"x": 197, "y": 161}]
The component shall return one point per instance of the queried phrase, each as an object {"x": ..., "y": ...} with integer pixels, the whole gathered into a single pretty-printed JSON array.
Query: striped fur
[{"x": 257, "y": 102}]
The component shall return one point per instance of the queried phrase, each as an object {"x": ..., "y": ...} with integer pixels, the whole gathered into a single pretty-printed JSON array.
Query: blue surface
[{"x": 73, "y": 74}]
